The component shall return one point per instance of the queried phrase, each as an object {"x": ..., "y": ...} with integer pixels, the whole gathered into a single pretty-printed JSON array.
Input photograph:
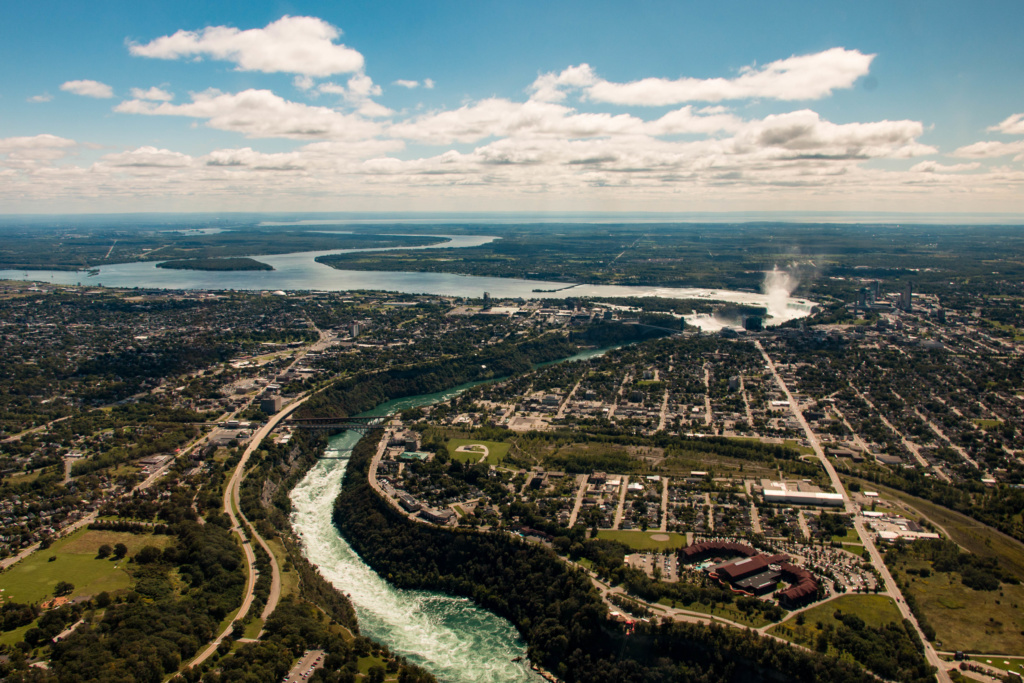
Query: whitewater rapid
[{"x": 452, "y": 638}]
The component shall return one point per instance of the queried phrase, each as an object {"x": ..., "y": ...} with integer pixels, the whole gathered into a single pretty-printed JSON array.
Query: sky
[{"x": 532, "y": 106}]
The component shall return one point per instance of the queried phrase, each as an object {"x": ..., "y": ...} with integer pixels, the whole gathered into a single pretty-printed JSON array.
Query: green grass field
[
  {"x": 970, "y": 620},
  {"x": 875, "y": 610},
  {"x": 642, "y": 540},
  {"x": 730, "y": 612},
  {"x": 289, "y": 580},
  {"x": 496, "y": 451},
  {"x": 33, "y": 579},
  {"x": 851, "y": 536},
  {"x": 1014, "y": 664}
]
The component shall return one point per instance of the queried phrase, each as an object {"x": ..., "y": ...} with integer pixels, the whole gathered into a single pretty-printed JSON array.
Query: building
[
  {"x": 437, "y": 516},
  {"x": 804, "y": 588},
  {"x": 753, "y": 323},
  {"x": 271, "y": 404},
  {"x": 905, "y": 298},
  {"x": 704, "y": 549},
  {"x": 781, "y": 492}
]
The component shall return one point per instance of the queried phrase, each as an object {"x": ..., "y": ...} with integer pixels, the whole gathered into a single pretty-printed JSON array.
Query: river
[
  {"x": 451, "y": 637},
  {"x": 299, "y": 271}
]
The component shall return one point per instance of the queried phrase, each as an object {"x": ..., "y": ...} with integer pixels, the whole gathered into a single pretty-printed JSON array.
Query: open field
[
  {"x": 643, "y": 540},
  {"x": 289, "y": 579},
  {"x": 33, "y": 579},
  {"x": 970, "y": 534},
  {"x": 970, "y": 620},
  {"x": 875, "y": 610},
  {"x": 496, "y": 451},
  {"x": 851, "y": 536},
  {"x": 729, "y": 611}
]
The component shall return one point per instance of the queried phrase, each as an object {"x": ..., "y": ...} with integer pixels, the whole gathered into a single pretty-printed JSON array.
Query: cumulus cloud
[
  {"x": 406, "y": 84},
  {"x": 260, "y": 114},
  {"x": 936, "y": 167},
  {"x": 800, "y": 77},
  {"x": 34, "y": 143},
  {"x": 990, "y": 149},
  {"x": 154, "y": 93},
  {"x": 33, "y": 152},
  {"x": 358, "y": 94},
  {"x": 299, "y": 45},
  {"x": 1012, "y": 125},
  {"x": 45, "y": 97},
  {"x": 804, "y": 134},
  {"x": 147, "y": 157},
  {"x": 88, "y": 88}
]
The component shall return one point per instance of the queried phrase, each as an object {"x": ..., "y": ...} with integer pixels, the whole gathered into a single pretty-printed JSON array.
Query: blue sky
[{"x": 538, "y": 106}]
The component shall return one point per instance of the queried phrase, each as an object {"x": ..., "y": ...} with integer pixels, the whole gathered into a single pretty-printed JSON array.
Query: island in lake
[{"x": 242, "y": 263}]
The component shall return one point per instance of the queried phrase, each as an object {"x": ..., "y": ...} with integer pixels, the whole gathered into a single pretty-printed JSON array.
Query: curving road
[{"x": 231, "y": 503}]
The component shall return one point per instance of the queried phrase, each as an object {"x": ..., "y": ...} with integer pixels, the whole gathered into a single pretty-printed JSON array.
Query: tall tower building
[{"x": 905, "y": 299}]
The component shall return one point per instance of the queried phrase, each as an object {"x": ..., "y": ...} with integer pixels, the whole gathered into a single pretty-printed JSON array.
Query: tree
[
  {"x": 120, "y": 550},
  {"x": 104, "y": 551},
  {"x": 63, "y": 588},
  {"x": 148, "y": 555}
]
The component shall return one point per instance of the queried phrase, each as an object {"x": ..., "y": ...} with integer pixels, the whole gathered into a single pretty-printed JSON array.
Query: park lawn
[
  {"x": 970, "y": 620},
  {"x": 1015, "y": 664},
  {"x": 641, "y": 540},
  {"x": 364, "y": 664},
  {"x": 729, "y": 611},
  {"x": 496, "y": 451},
  {"x": 289, "y": 579},
  {"x": 253, "y": 628},
  {"x": 17, "y": 635},
  {"x": 875, "y": 610},
  {"x": 24, "y": 477},
  {"x": 851, "y": 536},
  {"x": 33, "y": 579},
  {"x": 855, "y": 548}
]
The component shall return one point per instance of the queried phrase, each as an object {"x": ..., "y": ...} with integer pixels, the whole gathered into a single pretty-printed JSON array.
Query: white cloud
[
  {"x": 147, "y": 157},
  {"x": 804, "y": 134},
  {"x": 428, "y": 83},
  {"x": 88, "y": 88},
  {"x": 299, "y": 45},
  {"x": 303, "y": 83},
  {"x": 260, "y": 114},
  {"x": 406, "y": 84},
  {"x": 935, "y": 167},
  {"x": 990, "y": 149},
  {"x": 358, "y": 95},
  {"x": 34, "y": 143},
  {"x": 154, "y": 93},
  {"x": 549, "y": 87},
  {"x": 33, "y": 152},
  {"x": 800, "y": 77},
  {"x": 45, "y": 97},
  {"x": 1012, "y": 125}
]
